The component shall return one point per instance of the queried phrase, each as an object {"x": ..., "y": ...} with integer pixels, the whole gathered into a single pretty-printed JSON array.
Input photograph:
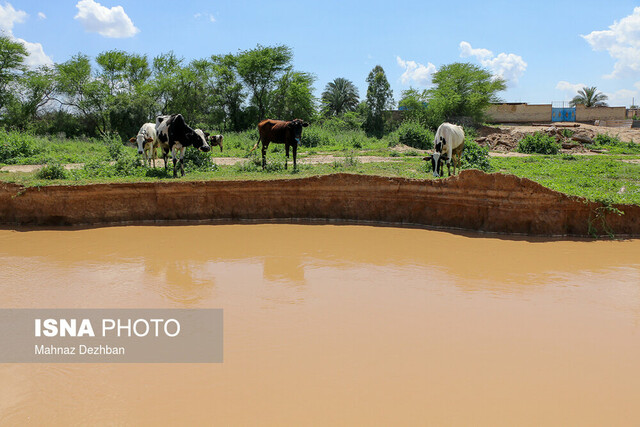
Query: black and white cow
[
  {"x": 147, "y": 143},
  {"x": 449, "y": 143},
  {"x": 175, "y": 135}
]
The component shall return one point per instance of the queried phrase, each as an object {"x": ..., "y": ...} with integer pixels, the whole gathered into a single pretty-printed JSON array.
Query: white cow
[
  {"x": 449, "y": 143},
  {"x": 147, "y": 142}
]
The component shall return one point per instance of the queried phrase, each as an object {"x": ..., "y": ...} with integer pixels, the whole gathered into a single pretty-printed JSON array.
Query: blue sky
[{"x": 545, "y": 49}]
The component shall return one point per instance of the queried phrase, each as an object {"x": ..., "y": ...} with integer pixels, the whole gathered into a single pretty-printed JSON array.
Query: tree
[
  {"x": 31, "y": 91},
  {"x": 379, "y": 99},
  {"x": 12, "y": 56},
  {"x": 128, "y": 100},
  {"x": 462, "y": 90},
  {"x": 166, "y": 69},
  {"x": 589, "y": 97},
  {"x": 75, "y": 88},
  {"x": 293, "y": 97},
  {"x": 414, "y": 104},
  {"x": 260, "y": 69},
  {"x": 228, "y": 91},
  {"x": 123, "y": 71},
  {"x": 339, "y": 96}
]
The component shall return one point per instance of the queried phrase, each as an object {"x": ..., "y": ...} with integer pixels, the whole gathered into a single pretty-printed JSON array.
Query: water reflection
[{"x": 343, "y": 325}]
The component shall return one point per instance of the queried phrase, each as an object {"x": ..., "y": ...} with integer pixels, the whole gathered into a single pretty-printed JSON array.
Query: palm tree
[
  {"x": 589, "y": 97},
  {"x": 339, "y": 96}
]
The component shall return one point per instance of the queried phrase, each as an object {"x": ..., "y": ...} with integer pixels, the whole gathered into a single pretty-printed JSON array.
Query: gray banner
[{"x": 111, "y": 335}]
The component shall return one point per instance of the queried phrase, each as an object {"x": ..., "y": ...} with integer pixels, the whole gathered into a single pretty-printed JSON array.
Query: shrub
[
  {"x": 195, "y": 159},
  {"x": 356, "y": 140},
  {"x": 603, "y": 139},
  {"x": 413, "y": 134},
  {"x": 539, "y": 143},
  {"x": 314, "y": 136},
  {"x": 474, "y": 156},
  {"x": 254, "y": 164},
  {"x": 16, "y": 145},
  {"x": 52, "y": 171},
  {"x": 115, "y": 147},
  {"x": 127, "y": 164},
  {"x": 567, "y": 133}
]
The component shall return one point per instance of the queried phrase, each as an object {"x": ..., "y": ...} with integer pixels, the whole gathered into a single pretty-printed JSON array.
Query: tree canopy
[
  {"x": 379, "y": 100},
  {"x": 339, "y": 96},
  {"x": 589, "y": 97},
  {"x": 120, "y": 90},
  {"x": 462, "y": 90}
]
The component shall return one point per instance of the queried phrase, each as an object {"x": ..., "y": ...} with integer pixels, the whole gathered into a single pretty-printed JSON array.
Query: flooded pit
[{"x": 339, "y": 325}]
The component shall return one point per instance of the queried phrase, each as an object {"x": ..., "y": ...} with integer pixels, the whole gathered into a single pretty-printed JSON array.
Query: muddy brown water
[{"x": 339, "y": 325}]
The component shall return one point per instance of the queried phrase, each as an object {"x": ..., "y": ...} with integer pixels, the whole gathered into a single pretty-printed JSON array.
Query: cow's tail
[{"x": 255, "y": 146}]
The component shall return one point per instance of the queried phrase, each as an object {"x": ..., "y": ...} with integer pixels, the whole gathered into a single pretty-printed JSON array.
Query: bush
[
  {"x": 474, "y": 156},
  {"x": 567, "y": 133},
  {"x": 413, "y": 134},
  {"x": 16, "y": 145},
  {"x": 115, "y": 147},
  {"x": 127, "y": 164},
  {"x": 195, "y": 159},
  {"x": 52, "y": 171},
  {"x": 314, "y": 136},
  {"x": 603, "y": 139},
  {"x": 538, "y": 143}
]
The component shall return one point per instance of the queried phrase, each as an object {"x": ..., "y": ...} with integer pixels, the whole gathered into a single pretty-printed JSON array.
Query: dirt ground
[
  {"x": 504, "y": 138},
  {"x": 226, "y": 161}
]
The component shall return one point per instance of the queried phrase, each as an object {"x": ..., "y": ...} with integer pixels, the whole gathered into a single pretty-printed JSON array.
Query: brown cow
[{"x": 280, "y": 132}]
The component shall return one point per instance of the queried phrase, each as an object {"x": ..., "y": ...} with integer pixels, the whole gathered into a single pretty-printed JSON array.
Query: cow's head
[
  {"x": 437, "y": 162},
  {"x": 216, "y": 140},
  {"x": 295, "y": 127},
  {"x": 141, "y": 140},
  {"x": 199, "y": 140},
  {"x": 436, "y": 157}
]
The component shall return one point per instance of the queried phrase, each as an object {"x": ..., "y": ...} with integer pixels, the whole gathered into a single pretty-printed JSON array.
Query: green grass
[
  {"x": 595, "y": 177},
  {"x": 25, "y": 149},
  {"x": 600, "y": 177}
]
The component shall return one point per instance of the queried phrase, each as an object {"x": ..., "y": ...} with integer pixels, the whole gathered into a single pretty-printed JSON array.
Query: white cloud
[
  {"x": 36, "y": 56},
  {"x": 570, "y": 87},
  {"x": 416, "y": 72},
  {"x": 8, "y": 18},
  {"x": 622, "y": 41},
  {"x": 41, "y": 15},
  {"x": 622, "y": 97},
  {"x": 466, "y": 50},
  {"x": 208, "y": 16},
  {"x": 113, "y": 22},
  {"x": 509, "y": 66}
]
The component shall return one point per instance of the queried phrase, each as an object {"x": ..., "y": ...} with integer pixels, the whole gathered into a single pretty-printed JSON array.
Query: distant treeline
[{"x": 222, "y": 93}]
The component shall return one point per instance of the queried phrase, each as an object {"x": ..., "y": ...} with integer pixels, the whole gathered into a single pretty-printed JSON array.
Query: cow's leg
[
  {"x": 295, "y": 154},
  {"x": 165, "y": 157},
  {"x": 173, "y": 157},
  {"x": 154, "y": 154},
  {"x": 182, "y": 150},
  {"x": 264, "y": 154},
  {"x": 286, "y": 159}
]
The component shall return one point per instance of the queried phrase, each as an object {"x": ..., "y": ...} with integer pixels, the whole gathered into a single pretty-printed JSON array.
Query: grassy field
[{"x": 607, "y": 177}]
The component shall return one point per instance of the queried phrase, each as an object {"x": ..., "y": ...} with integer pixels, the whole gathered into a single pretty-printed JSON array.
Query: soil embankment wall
[{"x": 471, "y": 200}]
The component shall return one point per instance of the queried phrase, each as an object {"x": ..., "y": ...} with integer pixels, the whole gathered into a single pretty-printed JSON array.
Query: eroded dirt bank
[{"x": 472, "y": 200}]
